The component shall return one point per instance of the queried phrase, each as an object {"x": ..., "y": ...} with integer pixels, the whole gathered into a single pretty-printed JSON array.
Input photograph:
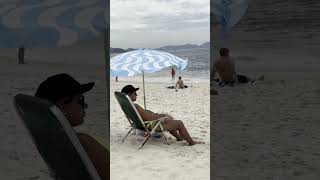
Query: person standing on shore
[{"x": 173, "y": 73}]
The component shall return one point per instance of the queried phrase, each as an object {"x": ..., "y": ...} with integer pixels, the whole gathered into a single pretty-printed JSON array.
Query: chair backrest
[
  {"x": 55, "y": 139},
  {"x": 130, "y": 110}
]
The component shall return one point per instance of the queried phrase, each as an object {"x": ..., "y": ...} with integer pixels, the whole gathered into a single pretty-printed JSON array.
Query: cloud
[{"x": 159, "y": 15}]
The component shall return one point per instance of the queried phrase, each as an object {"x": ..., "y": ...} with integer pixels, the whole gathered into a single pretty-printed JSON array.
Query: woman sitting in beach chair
[{"x": 175, "y": 127}]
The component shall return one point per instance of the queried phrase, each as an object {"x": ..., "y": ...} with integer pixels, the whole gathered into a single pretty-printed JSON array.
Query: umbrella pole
[
  {"x": 144, "y": 92},
  {"x": 106, "y": 49}
]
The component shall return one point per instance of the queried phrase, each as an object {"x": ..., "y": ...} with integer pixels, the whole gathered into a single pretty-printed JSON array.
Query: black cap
[
  {"x": 129, "y": 89},
  {"x": 60, "y": 86}
]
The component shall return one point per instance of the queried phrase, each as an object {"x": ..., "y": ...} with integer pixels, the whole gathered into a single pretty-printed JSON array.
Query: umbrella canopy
[
  {"x": 144, "y": 61},
  {"x": 229, "y": 12},
  {"x": 48, "y": 23}
]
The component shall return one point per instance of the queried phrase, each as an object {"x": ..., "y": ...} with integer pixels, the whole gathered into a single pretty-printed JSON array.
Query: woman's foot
[{"x": 196, "y": 142}]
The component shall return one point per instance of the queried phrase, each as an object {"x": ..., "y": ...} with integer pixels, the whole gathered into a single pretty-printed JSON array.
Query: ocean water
[
  {"x": 283, "y": 23},
  {"x": 91, "y": 53},
  {"x": 274, "y": 34}
]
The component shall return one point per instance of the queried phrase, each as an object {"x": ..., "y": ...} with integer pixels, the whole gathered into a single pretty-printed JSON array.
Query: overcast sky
[{"x": 156, "y": 23}]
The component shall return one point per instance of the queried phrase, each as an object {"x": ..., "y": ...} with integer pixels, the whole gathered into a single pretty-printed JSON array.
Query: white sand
[
  {"x": 18, "y": 155},
  {"x": 157, "y": 160},
  {"x": 269, "y": 130}
]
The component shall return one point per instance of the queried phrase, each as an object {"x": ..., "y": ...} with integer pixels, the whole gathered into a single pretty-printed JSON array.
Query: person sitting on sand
[
  {"x": 225, "y": 67},
  {"x": 180, "y": 83},
  {"x": 175, "y": 127},
  {"x": 67, "y": 94}
]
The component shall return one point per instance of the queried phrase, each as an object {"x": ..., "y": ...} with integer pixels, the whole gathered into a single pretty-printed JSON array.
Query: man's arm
[
  {"x": 147, "y": 115},
  {"x": 214, "y": 68},
  {"x": 233, "y": 67},
  {"x": 98, "y": 154}
]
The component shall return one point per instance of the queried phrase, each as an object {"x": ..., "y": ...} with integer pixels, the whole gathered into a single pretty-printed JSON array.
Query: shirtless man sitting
[
  {"x": 225, "y": 67},
  {"x": 175, "y": 127},
  {"x": 180, "y": 84}
]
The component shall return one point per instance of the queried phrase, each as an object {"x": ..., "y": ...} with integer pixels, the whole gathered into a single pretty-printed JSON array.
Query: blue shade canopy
[
  {"x": 229, "y": 12},
  {"x": 144, "y": 60},
  {"x": 50, "y": 23}
]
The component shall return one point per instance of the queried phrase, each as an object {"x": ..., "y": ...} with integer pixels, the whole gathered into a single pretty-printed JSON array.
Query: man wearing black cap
[
  {"x": 175, "y": 127},
  {"x": 67, "y": 94}
]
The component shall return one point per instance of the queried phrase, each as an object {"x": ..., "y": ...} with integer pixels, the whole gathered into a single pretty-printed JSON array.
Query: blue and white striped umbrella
[
  {"x": 50, "y": 23},
  {"x": 144, "y": 61}
]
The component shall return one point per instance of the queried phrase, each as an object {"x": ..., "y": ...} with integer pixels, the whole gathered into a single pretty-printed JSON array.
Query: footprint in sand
[
  {"x": 203, "y": 131},
  {"x": 33, "y": 177}
]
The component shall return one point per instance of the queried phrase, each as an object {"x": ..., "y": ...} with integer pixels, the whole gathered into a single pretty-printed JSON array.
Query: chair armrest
[{"x": 159, "y": 119}]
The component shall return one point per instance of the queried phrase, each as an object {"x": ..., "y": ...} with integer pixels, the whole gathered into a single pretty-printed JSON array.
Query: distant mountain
[
  {"x": 177, "y": 47},
  {"x": 165, "y": 48},
  {"x": 185, "y": 46},
  {"x": 205, "y": 45},
  {"x": 117, "y": 50},
  {"x": 130, "y": 49}
]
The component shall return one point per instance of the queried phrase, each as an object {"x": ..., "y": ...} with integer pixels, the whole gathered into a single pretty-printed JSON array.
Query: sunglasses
[
  {"x": 81, "y": 101},
  {"x": 134, "y": 93}
]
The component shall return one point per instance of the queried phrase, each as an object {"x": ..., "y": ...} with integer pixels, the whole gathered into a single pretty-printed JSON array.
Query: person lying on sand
[
  {"x": 67, "y": 94},
  {"x": 180, "y": 83},
  {"x": 175, "y": 127},
  {"x": 225, "y": 67}
]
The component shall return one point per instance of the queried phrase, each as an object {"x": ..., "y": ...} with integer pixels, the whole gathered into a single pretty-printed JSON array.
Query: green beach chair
[
  {"x": 135, "y": 119},
  {"x": 55, "y": 139}
]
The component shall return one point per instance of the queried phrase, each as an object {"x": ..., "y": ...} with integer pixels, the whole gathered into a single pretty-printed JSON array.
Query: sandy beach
[
  {"x": 19, "y": 157},
  {"x": 269, "y": 130},
  {"x": 157, "y": 160}
]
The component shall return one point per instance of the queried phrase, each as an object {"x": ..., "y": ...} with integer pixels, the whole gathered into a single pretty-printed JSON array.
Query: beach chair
[
  {"x": 55, "y": 139},
  {"x": 135, "y": 119}
]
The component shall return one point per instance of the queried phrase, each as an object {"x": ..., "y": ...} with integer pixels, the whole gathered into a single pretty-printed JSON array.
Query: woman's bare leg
[
  {"x": 177, "y": 135},
  {"x": 177, "y": 125}
]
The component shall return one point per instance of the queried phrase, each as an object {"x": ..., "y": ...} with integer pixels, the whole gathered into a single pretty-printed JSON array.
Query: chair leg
[
  {"x": 145, "y": 140},
  {"x": 165, "y": 137},
  {"x": 149, "y": 134},
  {"x": 126, "y": 135}
]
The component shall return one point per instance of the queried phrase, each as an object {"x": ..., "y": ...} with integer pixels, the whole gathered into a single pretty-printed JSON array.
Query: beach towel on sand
[{"x": 173, "y": 87}]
